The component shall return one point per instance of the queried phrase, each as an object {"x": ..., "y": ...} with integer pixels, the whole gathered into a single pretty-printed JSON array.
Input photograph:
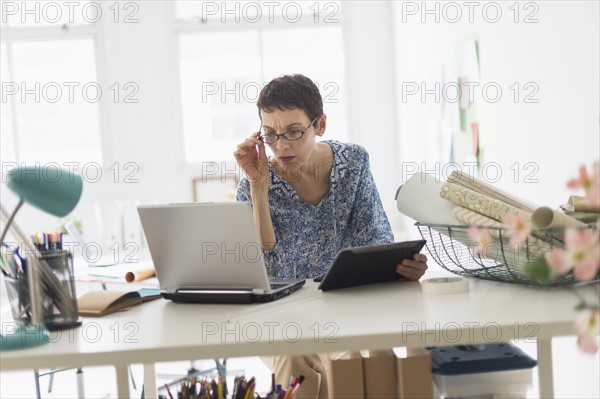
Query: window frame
[
  {"x": 59, "y": 32},
  {"x": 178, "y": 26}
]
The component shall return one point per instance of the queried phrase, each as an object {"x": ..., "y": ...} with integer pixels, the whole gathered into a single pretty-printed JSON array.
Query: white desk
[{"x": 368, "y": 317}]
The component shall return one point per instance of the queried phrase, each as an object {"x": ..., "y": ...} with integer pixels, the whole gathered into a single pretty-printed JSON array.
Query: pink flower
[
  {"x": 582, "y": 252},
  {"x": 483, "y": 239},
  {"x": 518, "y": 225},
  {"x": 586, "y": 326},
  {"x": 591, "y": 185},
  {"x": 583, "y": 181},
  {"x": 557, "y": 260},
  {"x": 592, "y": 195}
]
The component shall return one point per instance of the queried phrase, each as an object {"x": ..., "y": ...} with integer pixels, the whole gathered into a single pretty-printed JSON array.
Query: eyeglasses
[{"x": 292, "y": 135}]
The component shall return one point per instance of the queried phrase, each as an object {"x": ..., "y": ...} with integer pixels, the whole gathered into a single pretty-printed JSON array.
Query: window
[
  {"x": 228, "y": 51},
  {"x": 50, "y": 94}
]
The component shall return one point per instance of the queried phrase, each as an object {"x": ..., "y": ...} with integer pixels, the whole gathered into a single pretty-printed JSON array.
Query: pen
[
  {"x": 297, "y": 388},
  {"x": 272, "y": 383},
  {"x": 225, "y": 390},
  {"x": 18, "y": 263},
  {"x": 291, "y": 389},
  {"x": 5, "y": 266}
]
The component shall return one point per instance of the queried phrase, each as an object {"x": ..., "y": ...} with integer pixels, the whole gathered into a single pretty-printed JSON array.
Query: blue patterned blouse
[{"x": 309, "y": 237}]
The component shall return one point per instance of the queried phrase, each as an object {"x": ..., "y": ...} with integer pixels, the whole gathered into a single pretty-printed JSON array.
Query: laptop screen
[{"x": 204, "y": 245}]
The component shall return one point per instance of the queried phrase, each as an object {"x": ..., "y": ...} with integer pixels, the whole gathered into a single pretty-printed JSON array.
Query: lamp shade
[{"x": 50, "y": 189}]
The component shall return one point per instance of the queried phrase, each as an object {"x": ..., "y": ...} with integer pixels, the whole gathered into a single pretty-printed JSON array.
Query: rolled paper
[
  {"x": 140, "y": 275},
  {"x": 129, "y": 271},
  {"x": 580, "y": 204},
  {"x": 420, "y": 200},
  {"x": 548, "y": 218},
  {"x": 477, "y": 202},
  {"x": 537, "y": 246},
  {"x": 470, "y": 218}
]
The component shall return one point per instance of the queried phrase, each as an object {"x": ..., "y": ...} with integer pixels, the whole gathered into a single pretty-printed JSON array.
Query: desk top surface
[{"x": 368, "y": 317}]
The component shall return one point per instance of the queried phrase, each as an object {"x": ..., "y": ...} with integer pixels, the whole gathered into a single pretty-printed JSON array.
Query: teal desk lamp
[{"x": 51, "y": 190}]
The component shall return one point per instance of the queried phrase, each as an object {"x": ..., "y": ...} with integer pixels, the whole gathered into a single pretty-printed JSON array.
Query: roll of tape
[{"x": 445, "y": 285}]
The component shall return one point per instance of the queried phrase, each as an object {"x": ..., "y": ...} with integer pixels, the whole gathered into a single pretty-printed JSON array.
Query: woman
[{"x": 310, "y": 200}]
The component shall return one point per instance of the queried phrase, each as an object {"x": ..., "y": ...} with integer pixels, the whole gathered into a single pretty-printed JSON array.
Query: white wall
[
  {"x": 371, "y": 80},
  {"x": 560, "y": 54}
]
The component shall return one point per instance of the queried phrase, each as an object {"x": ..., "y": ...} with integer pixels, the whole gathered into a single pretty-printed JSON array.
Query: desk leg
[
  {"x": 150, "y": 391},
  {"x": 545, "y": 375},
  {"x": 122, "y": 381},
  {"x": 80, "y": 384},
  {"x": 36, "y": 376}
]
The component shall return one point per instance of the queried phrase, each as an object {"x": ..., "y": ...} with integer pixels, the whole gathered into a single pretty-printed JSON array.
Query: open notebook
[{"x": 100, "y": 303}]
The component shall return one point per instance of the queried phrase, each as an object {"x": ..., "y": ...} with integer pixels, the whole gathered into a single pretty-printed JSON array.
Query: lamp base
[{"x": 25, "y": 337}]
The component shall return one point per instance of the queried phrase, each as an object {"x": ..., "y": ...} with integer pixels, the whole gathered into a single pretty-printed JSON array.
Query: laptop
[{"x": 209, "y": 253}]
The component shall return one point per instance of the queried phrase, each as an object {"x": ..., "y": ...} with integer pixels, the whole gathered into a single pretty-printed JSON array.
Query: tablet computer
[{"x": 369, "y": 264}]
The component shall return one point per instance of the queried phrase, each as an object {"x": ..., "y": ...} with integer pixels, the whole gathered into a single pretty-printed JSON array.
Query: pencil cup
[
  {"x": 58, "y": 298},
  {"x": 17, "y": 290}
]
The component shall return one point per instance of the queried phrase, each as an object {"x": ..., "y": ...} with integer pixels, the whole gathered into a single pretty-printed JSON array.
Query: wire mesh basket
[{"x": 451, "y": 247}]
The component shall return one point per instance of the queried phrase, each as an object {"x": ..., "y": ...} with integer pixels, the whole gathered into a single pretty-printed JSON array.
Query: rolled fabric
[
  {"x": 420, "y": 200},
  {"x": 548, "y": 218}
]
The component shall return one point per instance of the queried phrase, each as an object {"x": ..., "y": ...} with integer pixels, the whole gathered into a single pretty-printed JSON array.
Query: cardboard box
[
  {"x": 380, "y": 375},
  {"x": 414, "y": 375},
  {"x": 346, "y": 379}
]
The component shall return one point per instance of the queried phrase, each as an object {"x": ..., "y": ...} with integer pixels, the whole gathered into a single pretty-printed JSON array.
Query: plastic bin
[{"x": 482, "y": 371}]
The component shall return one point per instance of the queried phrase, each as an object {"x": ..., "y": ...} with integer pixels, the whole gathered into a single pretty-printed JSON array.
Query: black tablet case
[{"x": 369, "y": 264}]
